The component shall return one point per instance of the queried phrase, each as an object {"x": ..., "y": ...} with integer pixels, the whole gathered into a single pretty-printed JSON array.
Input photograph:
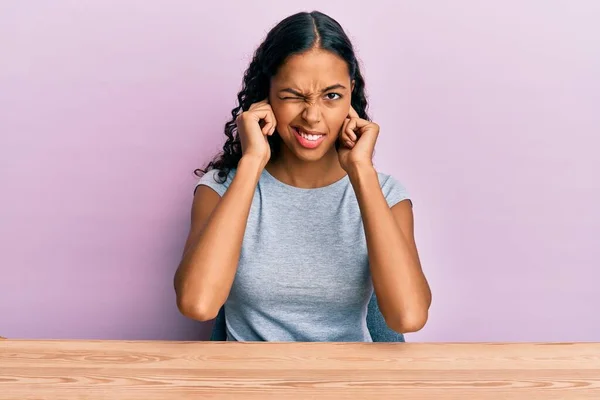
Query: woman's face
[{"x": 310, "y": 97}]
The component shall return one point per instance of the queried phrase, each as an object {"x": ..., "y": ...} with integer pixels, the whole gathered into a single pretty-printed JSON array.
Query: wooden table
[{"x": 31, "y": 369}]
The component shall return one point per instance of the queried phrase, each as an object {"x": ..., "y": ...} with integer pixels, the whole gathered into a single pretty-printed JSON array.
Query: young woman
[{"x": 293, "y": 229}]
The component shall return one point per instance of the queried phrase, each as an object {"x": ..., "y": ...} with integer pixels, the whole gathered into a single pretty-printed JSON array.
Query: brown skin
[{"x": 299, "y": 97}]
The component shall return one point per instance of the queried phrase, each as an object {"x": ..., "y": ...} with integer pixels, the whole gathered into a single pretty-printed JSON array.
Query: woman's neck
[{"x": 307, "y": 175}]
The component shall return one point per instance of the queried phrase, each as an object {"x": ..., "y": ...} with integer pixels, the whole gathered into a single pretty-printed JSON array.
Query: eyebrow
[{"x": 327, "y": 89}]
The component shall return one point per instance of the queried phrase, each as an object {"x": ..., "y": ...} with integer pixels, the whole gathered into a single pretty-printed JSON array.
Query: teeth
[{"x": 310, "y": 137}]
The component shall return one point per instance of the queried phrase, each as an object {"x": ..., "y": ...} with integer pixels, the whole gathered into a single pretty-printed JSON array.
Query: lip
[
  {"x": 307, "y": 144},
  {"x": 307, "y": 131}
]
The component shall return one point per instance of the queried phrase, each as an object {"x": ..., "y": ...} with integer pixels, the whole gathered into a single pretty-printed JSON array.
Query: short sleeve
[
  {"x": 393, "y": 191},
  {"x": 215, "y": 182}
]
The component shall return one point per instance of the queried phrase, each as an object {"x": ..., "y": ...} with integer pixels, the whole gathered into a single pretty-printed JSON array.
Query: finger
[
  {"x": 342, "y": 136},
  {"x": 270, "y": 122},
  {"x": 259, "y": 104},
  {"x": 349, "y": 143},
  {"x": 352, "y": 113},
  {"x": 266, "y": 130},
  {"x": 348, "y": 137},
  {"x": 351, "y": 129}
]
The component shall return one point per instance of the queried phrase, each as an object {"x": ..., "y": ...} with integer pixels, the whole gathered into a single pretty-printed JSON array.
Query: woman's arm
[
  {"x": 402, "y": 290},
  {"x": 212, "y": 250}
]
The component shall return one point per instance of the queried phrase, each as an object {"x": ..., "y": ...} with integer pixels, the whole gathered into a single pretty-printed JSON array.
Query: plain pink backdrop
[{"x": 489, "y": 114}]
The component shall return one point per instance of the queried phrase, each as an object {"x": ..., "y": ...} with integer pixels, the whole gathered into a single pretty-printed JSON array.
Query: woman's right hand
[{"x": 253, "y": 128}]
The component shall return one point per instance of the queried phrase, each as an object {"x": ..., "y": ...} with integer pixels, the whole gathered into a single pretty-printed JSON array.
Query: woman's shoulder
[
  {"x": 393, "y": 190},
  {"x": 217, "y": 179}
]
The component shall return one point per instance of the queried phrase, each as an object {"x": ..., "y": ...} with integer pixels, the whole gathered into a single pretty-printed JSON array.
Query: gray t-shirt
[{"x": 303, "y": 273}]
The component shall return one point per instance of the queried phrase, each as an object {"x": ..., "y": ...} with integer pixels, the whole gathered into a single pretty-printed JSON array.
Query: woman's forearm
[
  {"x": 400, "y": 285},
  {"x": 209, "y": 265}
]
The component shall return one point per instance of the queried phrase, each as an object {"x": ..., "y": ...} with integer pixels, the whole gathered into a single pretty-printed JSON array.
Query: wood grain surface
[{"x": 55, "y": 369}]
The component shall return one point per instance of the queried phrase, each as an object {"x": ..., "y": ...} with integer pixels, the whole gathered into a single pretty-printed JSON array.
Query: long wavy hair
[{"x": 295, "y": 34}]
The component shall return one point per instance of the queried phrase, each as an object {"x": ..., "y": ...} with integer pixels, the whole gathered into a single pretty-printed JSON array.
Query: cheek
[
  {"x": 283, "y": 115},
  {"x": 336, "y": 119}
]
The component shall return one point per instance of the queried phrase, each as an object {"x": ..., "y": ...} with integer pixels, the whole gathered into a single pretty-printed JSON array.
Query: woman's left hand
[{"x": 357, "y": 141}]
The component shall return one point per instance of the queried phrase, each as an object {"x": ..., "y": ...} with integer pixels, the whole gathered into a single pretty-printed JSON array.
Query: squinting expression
[{"x": 310, "y": 97}]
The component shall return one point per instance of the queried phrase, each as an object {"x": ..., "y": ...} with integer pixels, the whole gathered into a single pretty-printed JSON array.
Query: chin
[{"x": 309, "y": 155}]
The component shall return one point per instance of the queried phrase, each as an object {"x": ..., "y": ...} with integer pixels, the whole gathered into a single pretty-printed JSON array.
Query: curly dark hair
[{"x": 295, "y": 34}]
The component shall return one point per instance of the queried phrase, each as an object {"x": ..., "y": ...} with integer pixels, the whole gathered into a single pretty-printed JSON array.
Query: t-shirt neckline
[{"x": 286, "y": 186}]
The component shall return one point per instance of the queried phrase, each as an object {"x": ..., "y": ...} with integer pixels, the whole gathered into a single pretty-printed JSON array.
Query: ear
[{"x": 352, "y": 90}]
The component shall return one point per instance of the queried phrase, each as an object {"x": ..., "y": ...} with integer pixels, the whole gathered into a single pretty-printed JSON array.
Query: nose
[{"x": 311, "y": 114}]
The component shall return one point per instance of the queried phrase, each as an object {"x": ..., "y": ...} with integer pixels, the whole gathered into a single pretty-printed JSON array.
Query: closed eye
[{"x": 328, "y": 96}]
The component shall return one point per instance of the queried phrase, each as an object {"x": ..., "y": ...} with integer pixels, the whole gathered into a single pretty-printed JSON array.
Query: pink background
[{"x": 490, "y": 115}]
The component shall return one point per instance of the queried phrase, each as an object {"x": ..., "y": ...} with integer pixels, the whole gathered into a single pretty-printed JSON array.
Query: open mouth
[{"x": 309, "y": 140}]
